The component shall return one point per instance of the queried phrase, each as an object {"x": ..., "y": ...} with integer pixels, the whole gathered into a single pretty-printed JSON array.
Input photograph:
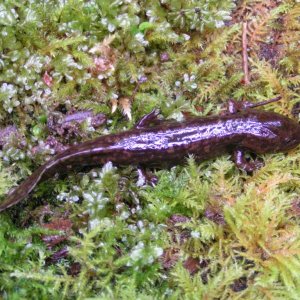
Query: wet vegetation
[{"x": 74, "y": 70}]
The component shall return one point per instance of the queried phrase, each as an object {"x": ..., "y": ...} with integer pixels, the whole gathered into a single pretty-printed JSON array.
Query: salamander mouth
[{"x": 290, "y": 142}]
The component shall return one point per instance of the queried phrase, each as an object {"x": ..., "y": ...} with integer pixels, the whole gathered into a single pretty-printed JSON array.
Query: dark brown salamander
[{"x": 156, "y": 143}]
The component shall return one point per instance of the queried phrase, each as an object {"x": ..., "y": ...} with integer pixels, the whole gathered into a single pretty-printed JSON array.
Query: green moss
[{"x": 206, "y": 230}]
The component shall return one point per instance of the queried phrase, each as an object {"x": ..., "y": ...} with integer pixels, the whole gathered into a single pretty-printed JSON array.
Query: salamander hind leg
[
  {"x": 149, "y": 119},
  {"x": 244, "y": 164}
]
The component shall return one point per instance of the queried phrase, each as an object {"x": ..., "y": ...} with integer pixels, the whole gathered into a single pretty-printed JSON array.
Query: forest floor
[{"x": 74, "y": 70}]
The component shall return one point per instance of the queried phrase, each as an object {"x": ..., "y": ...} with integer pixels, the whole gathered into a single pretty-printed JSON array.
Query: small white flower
[
  {"x": 83, "y": 48},
  {"x": 104, "y": 21},
  {"x": 140, "y": 245},
  {"x": 14, "y": 12},
  {"x": 107, "y": 223},
  {"x": 173, "y": 36},
  {"x": 30, "y": 15},
  {"x": 7, "y": 17},
  {"x": 111, "y": 27},
  {"x": 8, "y": 89},
  {"x": 119, "y": 206},
  {"x": 186, "y": 37},
  {"x": 123, "y": 20},
  {"x": 150, "y": 260},
  {"x": 108, "y": 167},
  {"x": 136, "y": 254},
  {"x": 88, "y": 197},
  {"x": 94, "y": 174},
  {"x": 69, "y": 61},
  {"x": 178, "y": 116},
  {"x": 141, "y": 181},
  {"x": 69, "y": 77},
  {"x": 132, "y": 227},
  {"x": 76, "y": 188},
  {"x": 124, "y": 215},
  {"x": 94, "y": 223},
  {"x": 140, "y": 38},
  {"x": 28, "y": 245},
  {"x": 140, "y": 224},
  {"x": 34, "y": 62},
  {"x": 158, "y": 251},
  {"x": 195, "y": 234},
  {"x": 219, "y": 24},
  {"x": 74, "y": 198}
]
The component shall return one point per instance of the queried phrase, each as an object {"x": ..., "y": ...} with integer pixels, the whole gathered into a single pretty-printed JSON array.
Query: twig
[
  {"x": 135, "y": 91},
  {"x": 264, "y": 102},
  {"x": 245, "y": 54}
]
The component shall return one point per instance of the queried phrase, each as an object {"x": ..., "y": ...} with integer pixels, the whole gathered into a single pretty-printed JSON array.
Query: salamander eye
[{"x": 289, "y": 140}]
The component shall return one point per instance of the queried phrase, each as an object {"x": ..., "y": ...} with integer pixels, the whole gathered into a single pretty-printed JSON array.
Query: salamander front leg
[
  {"x": 149, "y": 119},
  {"x": 243, "y": 164}
]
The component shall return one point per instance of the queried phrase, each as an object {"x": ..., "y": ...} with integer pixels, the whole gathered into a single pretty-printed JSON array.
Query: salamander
[{"x": 156, "y": 143}]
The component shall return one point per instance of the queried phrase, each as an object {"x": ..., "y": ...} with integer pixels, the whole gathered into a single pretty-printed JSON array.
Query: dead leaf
[{"x": 125, "y": 105}]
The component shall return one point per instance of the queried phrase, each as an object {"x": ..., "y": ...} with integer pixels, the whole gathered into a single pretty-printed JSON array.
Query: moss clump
[{"x": 206, "y": 230}]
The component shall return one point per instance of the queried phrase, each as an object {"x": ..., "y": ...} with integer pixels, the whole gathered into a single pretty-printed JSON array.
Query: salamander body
[{"x": 169, "y": 143}]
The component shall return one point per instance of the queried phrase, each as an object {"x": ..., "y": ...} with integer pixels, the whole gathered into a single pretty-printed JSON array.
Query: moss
[{"x": 206, "y": 230}]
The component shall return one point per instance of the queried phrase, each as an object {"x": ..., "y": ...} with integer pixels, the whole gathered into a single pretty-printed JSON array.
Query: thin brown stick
[
  {"x": 264, "y": 102},
  {"x": 135, "y": 91},
  {"x": 245, "y": 54}
]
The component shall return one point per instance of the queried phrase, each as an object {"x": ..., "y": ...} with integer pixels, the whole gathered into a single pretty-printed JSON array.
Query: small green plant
[{"x": 207, "y": 230}]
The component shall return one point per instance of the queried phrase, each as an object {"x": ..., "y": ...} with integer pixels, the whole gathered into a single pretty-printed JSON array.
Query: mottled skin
[{"x": 160, "y": 143}]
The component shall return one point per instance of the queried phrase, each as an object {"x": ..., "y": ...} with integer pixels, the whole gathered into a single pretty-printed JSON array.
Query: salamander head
[
  {"x": 287, "y": 133},
  {"x": 271, "y": 132},
  {"x": 292, "y": 137}
]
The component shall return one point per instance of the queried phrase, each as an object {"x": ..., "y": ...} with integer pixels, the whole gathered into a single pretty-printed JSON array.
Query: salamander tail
[{"x": 23, "y": 190}]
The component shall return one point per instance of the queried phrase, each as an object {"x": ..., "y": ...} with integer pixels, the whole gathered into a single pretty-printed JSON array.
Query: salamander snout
[{"x": 291, "y": 136}]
